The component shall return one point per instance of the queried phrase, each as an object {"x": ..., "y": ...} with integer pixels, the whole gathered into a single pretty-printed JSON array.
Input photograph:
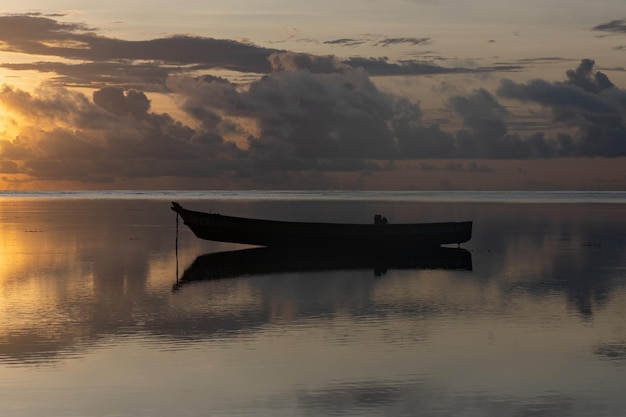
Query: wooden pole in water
[{"x": 176, "y": 248}]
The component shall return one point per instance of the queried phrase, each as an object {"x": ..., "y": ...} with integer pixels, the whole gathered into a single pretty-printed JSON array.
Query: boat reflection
[{"x": 264, "y": 261}]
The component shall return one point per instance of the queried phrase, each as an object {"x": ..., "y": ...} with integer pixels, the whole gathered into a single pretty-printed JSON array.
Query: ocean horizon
[{"x": 616, "y": 197}]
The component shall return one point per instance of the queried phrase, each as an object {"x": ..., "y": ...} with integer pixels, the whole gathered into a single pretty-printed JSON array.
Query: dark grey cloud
[
  {"x": 486, "y": 132},
  {"x": 39, "y": 35},
  {"x": 345, "y": 42},
  {"x": 407, "y": 41},
  {"x": 614, "y": 26},
  {"x": 382, "y": 67},
  {"x": 115, "y": 100},
  {"x": 147, "y": 63},
  {"x": 379, "y": 41},
  {"x": 302, "y": 116},
  {"x": 586, "y": 78},
  {"x": 585, "y": 91},
  {"x": 532, "y": 61},
  {"x": 149, "y": 76},
  {"x": 293, "y": 61},
  {"x": 557, "y": 95},
  {"x": 483, "y": 115},
  {"x": 28, "y": 32},
  {"x": 307, "y": 119},
  {"x": 587, "y": 101}
]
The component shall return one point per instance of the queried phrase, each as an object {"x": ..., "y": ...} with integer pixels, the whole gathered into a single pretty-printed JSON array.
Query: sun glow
[
  {"x": 9, "y": 130},
  {"x": 9, "y": 125}
]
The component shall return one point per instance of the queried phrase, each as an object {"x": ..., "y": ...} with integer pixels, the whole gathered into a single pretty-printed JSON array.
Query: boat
[
  {"x": 271, "y": 261},
  {"x": 289, "y": 234}
]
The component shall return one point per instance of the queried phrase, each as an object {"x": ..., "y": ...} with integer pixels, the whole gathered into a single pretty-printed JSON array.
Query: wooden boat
[
  {"x": 266, "y": 261},
  {"x": 212, "y": 226}
]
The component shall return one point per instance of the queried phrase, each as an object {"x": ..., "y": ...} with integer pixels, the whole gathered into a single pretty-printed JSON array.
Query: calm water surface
[{"x": 98, "y": 316}]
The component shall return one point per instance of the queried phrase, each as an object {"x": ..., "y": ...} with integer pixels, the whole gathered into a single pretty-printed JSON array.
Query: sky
[{"x": 358, "y": 94}]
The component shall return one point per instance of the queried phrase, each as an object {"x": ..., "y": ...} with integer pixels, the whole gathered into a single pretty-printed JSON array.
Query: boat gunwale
[{"x": 178, "y": 209}]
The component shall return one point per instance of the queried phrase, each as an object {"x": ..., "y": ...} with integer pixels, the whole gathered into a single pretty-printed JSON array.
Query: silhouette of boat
[
  {"x": 264, "y": 261},
  {"x": 213, "y": 226}
]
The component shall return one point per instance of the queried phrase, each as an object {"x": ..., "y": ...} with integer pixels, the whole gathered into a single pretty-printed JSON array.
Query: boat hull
[{"x": 216, "y": 227}]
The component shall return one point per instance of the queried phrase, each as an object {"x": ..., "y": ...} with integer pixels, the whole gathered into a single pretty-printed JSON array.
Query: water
[{"x": 94, "y": 323}]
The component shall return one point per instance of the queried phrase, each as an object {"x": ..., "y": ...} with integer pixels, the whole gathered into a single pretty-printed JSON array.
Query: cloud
[
  {"x": 587, "y": 101},
  {"x": 322, "y": 121},
  {"x": 146, "y": 64},
  {"x": 114, "y": 136},
  {"x": 115, "y": 100},
  {"x": 483, "y": 115},
  {"x": 297, "y": 121},
  {"x": 556, "y": 95},
  {"x": 149, "y": 76},
  {"x": 486, "y": 131},
  {"x": 303, "y": 114},
  {"x": 537, "y": 60},
  {"x": 292, "y": 61},
  {"x": 382, "y": 67},
  {"x": 345, "y": 42},
  {"x": 8, "y": 167},
  {"x": 584, "y": 77},
  {"x": 36, "y": 35},
  {"x": 408, "y": 41},
  {"x": 614, "y": 26},
  {"x": 379, "y": 41},
  {"x": 303, "y": 122}
]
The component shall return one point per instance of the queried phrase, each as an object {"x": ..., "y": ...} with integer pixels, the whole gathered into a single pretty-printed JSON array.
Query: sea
[{"x": 110, "y": 306}]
